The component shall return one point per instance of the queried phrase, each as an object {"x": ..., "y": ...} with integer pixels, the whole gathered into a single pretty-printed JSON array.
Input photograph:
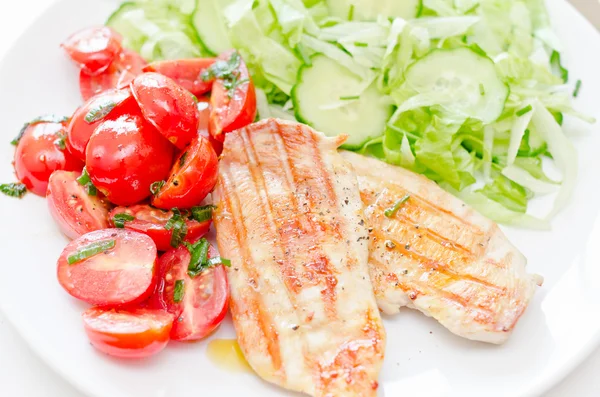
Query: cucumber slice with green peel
[
  {"x": 369, "y": 10},
  {"x": 462, "y": 80},
  {"x": 335, "y": 101},
  {"x": 156, "y": 30},
  {"x": 130, "y": 21},
  {"x": 209, "y": 22}
]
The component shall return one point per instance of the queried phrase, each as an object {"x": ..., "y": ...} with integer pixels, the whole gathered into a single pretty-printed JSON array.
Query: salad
[
  {"x": 470, "y": 93},
  {"x": 125, "y": 178}
]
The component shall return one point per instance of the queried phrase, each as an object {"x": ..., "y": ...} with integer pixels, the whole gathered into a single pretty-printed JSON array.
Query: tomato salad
[{"x": 126, "y": 177}]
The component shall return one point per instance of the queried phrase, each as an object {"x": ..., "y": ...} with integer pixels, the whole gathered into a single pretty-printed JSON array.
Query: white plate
[{"x": 559, "y": 329}]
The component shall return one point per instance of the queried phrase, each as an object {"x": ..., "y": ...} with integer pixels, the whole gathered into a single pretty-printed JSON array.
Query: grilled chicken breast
[
  {"x": 289, "y": 217},
  {"x": 433, "y": 253}
]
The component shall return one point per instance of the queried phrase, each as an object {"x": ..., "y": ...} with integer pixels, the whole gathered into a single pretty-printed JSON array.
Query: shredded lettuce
[{"x": 494, "y": 162}]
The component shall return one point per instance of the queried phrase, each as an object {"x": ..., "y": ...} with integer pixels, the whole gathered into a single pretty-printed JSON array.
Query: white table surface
[{"x": 23, "y": 374}]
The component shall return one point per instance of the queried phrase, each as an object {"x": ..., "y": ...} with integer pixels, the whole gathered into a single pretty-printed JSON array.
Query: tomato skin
[
  {"x": 37, "y": 156},
  {"x": 119, "y": 74},
  {"x": 137, "y": 333},
  {"x": 74, "y": 211},
  {"x": 79, "y": 131},
  {"x": 125, "y": 156},
  {"x": 185, "y": 72},
  {"x": 93, "y": 49},
  {"x": 152, "y": 221},
  {"x": 123, "y": 275},
  {"x": 204, "y": 121},
  {"x": 168, "y": 106},
  {"x": 193, "y": 176},
  {"x": 205, "y": 300},
  {"x": 229, "y": 114}
]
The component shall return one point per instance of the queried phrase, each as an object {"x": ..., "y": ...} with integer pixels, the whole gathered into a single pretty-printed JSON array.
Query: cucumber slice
[
  {"x": 130, "y": 21},
  {"x": 462, "y": 80},
  {"x": 157, "y": 30},
  {"x": 210, "y": 24},
  {"x": 333, "y": 100},
  {"x": 369, "y": 10}
]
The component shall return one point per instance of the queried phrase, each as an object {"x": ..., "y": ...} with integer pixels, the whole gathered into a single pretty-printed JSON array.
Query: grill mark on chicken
[
  {"x": 240, "y": 233},
  {"x": 439, "y": 256},
  {"x": 300, "y": 207}
]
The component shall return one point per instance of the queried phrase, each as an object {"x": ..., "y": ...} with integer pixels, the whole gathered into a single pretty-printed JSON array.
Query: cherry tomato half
[
  {"x": 79, "y": 131},
  {"x": 232, "y": 110},
  {"x": 193, "y": 176},
  {"x": 125, "y": 156},
  {"x": 119, "y": 74},
  {"x": 152, "y": 221},
  {"x": 93, "y": 49},
  {"x": 119, "y": 275},
  {"x": 204, "y": 120},
  {"x": 185, "y": 72},
  {"x": 73, "y": 209},
  {"x": 39, "y": 154},
  {"x": 137, "y": 333},
  {"x": 168, "y": 106},
  {"x": 203, "y": 300}
]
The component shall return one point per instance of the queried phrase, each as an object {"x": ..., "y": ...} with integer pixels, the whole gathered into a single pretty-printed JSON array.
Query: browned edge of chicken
[{"x": 289, "y": 217}]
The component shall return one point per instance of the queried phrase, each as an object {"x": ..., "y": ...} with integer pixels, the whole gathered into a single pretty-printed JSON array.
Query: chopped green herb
[
  {"x": 360, "y": 44},
  {"x": 577, "y": 88},
  {"x": 178, "y": 291},
  {"x": 202, "y": 214},
  {"x": 182, "y": 159},
  {"x": 199, "y": 256},
  {"x": 90, "y": 250},
  {"x": 349, "y": 98},
  {"x": 195, "y": 98},
  {"x": 227, "y": 71},
  {"x": 391, "y": 212},
  {"x": 100, "y": 111},
  {"x": 156, "y": 186},
  {"x": 217, "y": 260},
  {"x": 13, "y": 189},
  {"x": 481, "y": 89},
  {"x": 351, "y": 12},
  {"x": 85, "y": 180},
  {"x": 120, "y": 219},
  {"x": 303, "y": 54},
  {"x": 524, "y": 111},
  {"x": 60, "y": 142},
  {"x": 557, "y": 66},
  {"x": 178, "y": 226},
  {"x": 50, "y": 118},
  {"x": 199, "y": 260}
]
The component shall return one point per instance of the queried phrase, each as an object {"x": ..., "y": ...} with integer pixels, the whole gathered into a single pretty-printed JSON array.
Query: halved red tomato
[
  {"x": 73, "y": 209},
  {"x": 193, "y": 176},
  {"x": 125, "y": 156},
  {"x": 152, "y": 221},
  {"x": 109, "y": 267},
  {"x": 111, "y": 103},
  {"x": 119, "y": 74},
  {"x": 168, "y": 106},
  {"x": 41, "y": 151},
  {"x": 204, "y": 120},
  {"x": 199, "y": 303},
  {"x": 185, "y": 72},
  {"x": 93, "y": 49},
  {"x": 233, "y": 98},
  {"x": 137, "y": 333}
]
